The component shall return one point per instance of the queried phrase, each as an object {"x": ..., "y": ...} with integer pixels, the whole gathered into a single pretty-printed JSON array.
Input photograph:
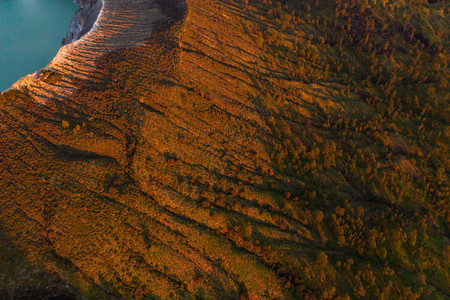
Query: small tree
[{"x": 322, "y": 260}]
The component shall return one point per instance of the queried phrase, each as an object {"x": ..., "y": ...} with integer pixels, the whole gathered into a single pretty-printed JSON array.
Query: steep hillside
[{"x": 233, "y": 149}]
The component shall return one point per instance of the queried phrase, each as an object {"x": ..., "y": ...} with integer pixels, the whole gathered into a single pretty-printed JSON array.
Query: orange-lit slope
[
  {"x": 139, "y": 170},
  {"x": 225, "y": 149}
]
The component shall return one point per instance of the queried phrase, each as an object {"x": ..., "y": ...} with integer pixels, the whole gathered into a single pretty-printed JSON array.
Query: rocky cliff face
[
  {"x": 201, "y": 149},
  {"x": 83, "y": 20}
]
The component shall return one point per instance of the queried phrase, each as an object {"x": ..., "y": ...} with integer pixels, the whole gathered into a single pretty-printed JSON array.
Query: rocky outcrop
[{"x": 83, "y": 20}]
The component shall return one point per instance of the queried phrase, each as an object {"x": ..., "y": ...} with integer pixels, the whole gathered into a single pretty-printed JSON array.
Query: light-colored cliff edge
[{"x": 83, "y": 20}]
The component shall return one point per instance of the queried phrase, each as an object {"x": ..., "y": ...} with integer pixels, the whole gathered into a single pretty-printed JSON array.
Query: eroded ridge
[
  {"x": 119, "y": 24},
  {"x": 128, "y": 164}
]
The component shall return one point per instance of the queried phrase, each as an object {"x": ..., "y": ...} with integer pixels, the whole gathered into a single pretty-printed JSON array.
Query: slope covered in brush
[{"x": 255, "y": 149}]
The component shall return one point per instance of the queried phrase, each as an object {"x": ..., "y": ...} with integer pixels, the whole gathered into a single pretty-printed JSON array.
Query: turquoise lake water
[{"x": 31, "y": 32}]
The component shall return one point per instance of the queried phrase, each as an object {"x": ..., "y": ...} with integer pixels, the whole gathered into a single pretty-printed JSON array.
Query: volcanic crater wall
[
  {"x": 83, "y": 20},
  {"x": 144, "y": 161},
  {"x": 112, "y": 163}
]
